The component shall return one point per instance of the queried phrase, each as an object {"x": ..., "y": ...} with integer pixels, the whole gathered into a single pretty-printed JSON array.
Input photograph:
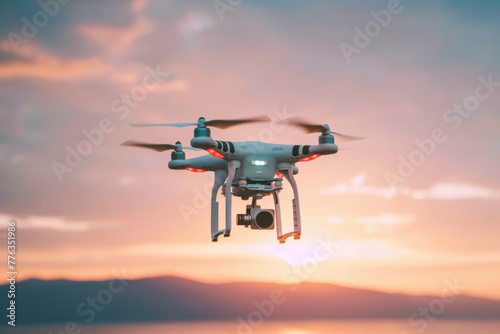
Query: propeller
[
  {"x": 312, "y": 128},
  {"x": 216, "y": 123},
  {"x": 346, "y": 137},
  {"x": 160, "y": 147},
  {"x": 179, "y": 125}
]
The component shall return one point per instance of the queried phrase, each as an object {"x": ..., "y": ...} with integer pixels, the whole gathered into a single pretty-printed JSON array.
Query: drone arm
[
  {"x": 324, "y": 149},
  {"x": 203, "y": 143}
]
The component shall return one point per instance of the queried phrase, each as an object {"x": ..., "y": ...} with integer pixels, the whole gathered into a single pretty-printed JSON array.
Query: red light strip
[
  {"x": 214, "y": 153},
  {"x": 278, "y": 174},
  {"x": 195, "y": 170},
  {"x": 312, "y": 157}
]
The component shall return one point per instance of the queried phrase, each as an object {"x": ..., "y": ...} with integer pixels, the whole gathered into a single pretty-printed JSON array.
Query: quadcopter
[{"x": 249, "y": 169}]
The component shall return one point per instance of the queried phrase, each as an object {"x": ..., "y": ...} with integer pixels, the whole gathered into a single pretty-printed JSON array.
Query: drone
[{"x": 248, "y": 170}]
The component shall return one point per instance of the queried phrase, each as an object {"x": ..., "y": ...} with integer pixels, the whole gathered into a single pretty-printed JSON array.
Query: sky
[{"x": 410, "y": 208}]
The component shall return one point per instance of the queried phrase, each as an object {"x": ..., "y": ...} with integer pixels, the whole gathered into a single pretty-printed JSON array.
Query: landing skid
[{"x": 228, "y": 177}]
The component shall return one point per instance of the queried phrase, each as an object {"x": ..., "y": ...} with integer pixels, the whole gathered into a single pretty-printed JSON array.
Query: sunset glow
[{"x": 413, "y": 205}]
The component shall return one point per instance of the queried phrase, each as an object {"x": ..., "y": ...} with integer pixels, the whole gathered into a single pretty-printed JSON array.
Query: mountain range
[{"x": 171, "y": 298}]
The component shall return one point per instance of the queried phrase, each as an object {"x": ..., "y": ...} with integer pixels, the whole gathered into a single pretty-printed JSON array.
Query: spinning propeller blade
[
  {"x": 179, "y": 125},
  {"x": 227, "y": 123},
  {"x": 306, "y": 126},
  {"x": 346, "y": 137},
  {"x": 312, "y": 128},
  {"x": 158, "y": 147},
  {"x": 217, "y": 123}
]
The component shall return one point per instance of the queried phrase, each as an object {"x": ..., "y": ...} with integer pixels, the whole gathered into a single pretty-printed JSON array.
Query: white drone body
[{"x": 248, "y": 169}]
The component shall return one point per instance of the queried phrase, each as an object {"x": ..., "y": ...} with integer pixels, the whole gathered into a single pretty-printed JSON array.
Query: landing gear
[
  {"x": 255, "y": 217},
  {"x": 297, "y": 228}
]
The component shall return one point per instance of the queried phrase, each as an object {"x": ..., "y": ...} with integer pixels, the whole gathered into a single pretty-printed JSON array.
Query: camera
[{"x": 257, "y": 218}]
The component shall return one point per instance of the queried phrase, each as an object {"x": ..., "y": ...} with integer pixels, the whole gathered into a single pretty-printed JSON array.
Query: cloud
[
  {"x": 442, "y": 191},
  {"x": 171, "y": 86},
  {"x": 53, "y": 69},
  {"x": 194, "y": 23},
  {"x": 356, "y": 186},
  {"x": 136, "y": 6},
  {"x": 383, "y": 223},
  {"x": 451, "y": 191},
  {"x": 37, "y": 63},
  {"x": 113, "y": 38},
  {"x": 385, "y": 220},
  {"x": 54, "y": 223},
  {"x": 335, "y": 220}
]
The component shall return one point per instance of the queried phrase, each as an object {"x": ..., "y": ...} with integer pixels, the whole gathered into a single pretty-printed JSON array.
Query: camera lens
[{"x": 264, "y": 219}]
